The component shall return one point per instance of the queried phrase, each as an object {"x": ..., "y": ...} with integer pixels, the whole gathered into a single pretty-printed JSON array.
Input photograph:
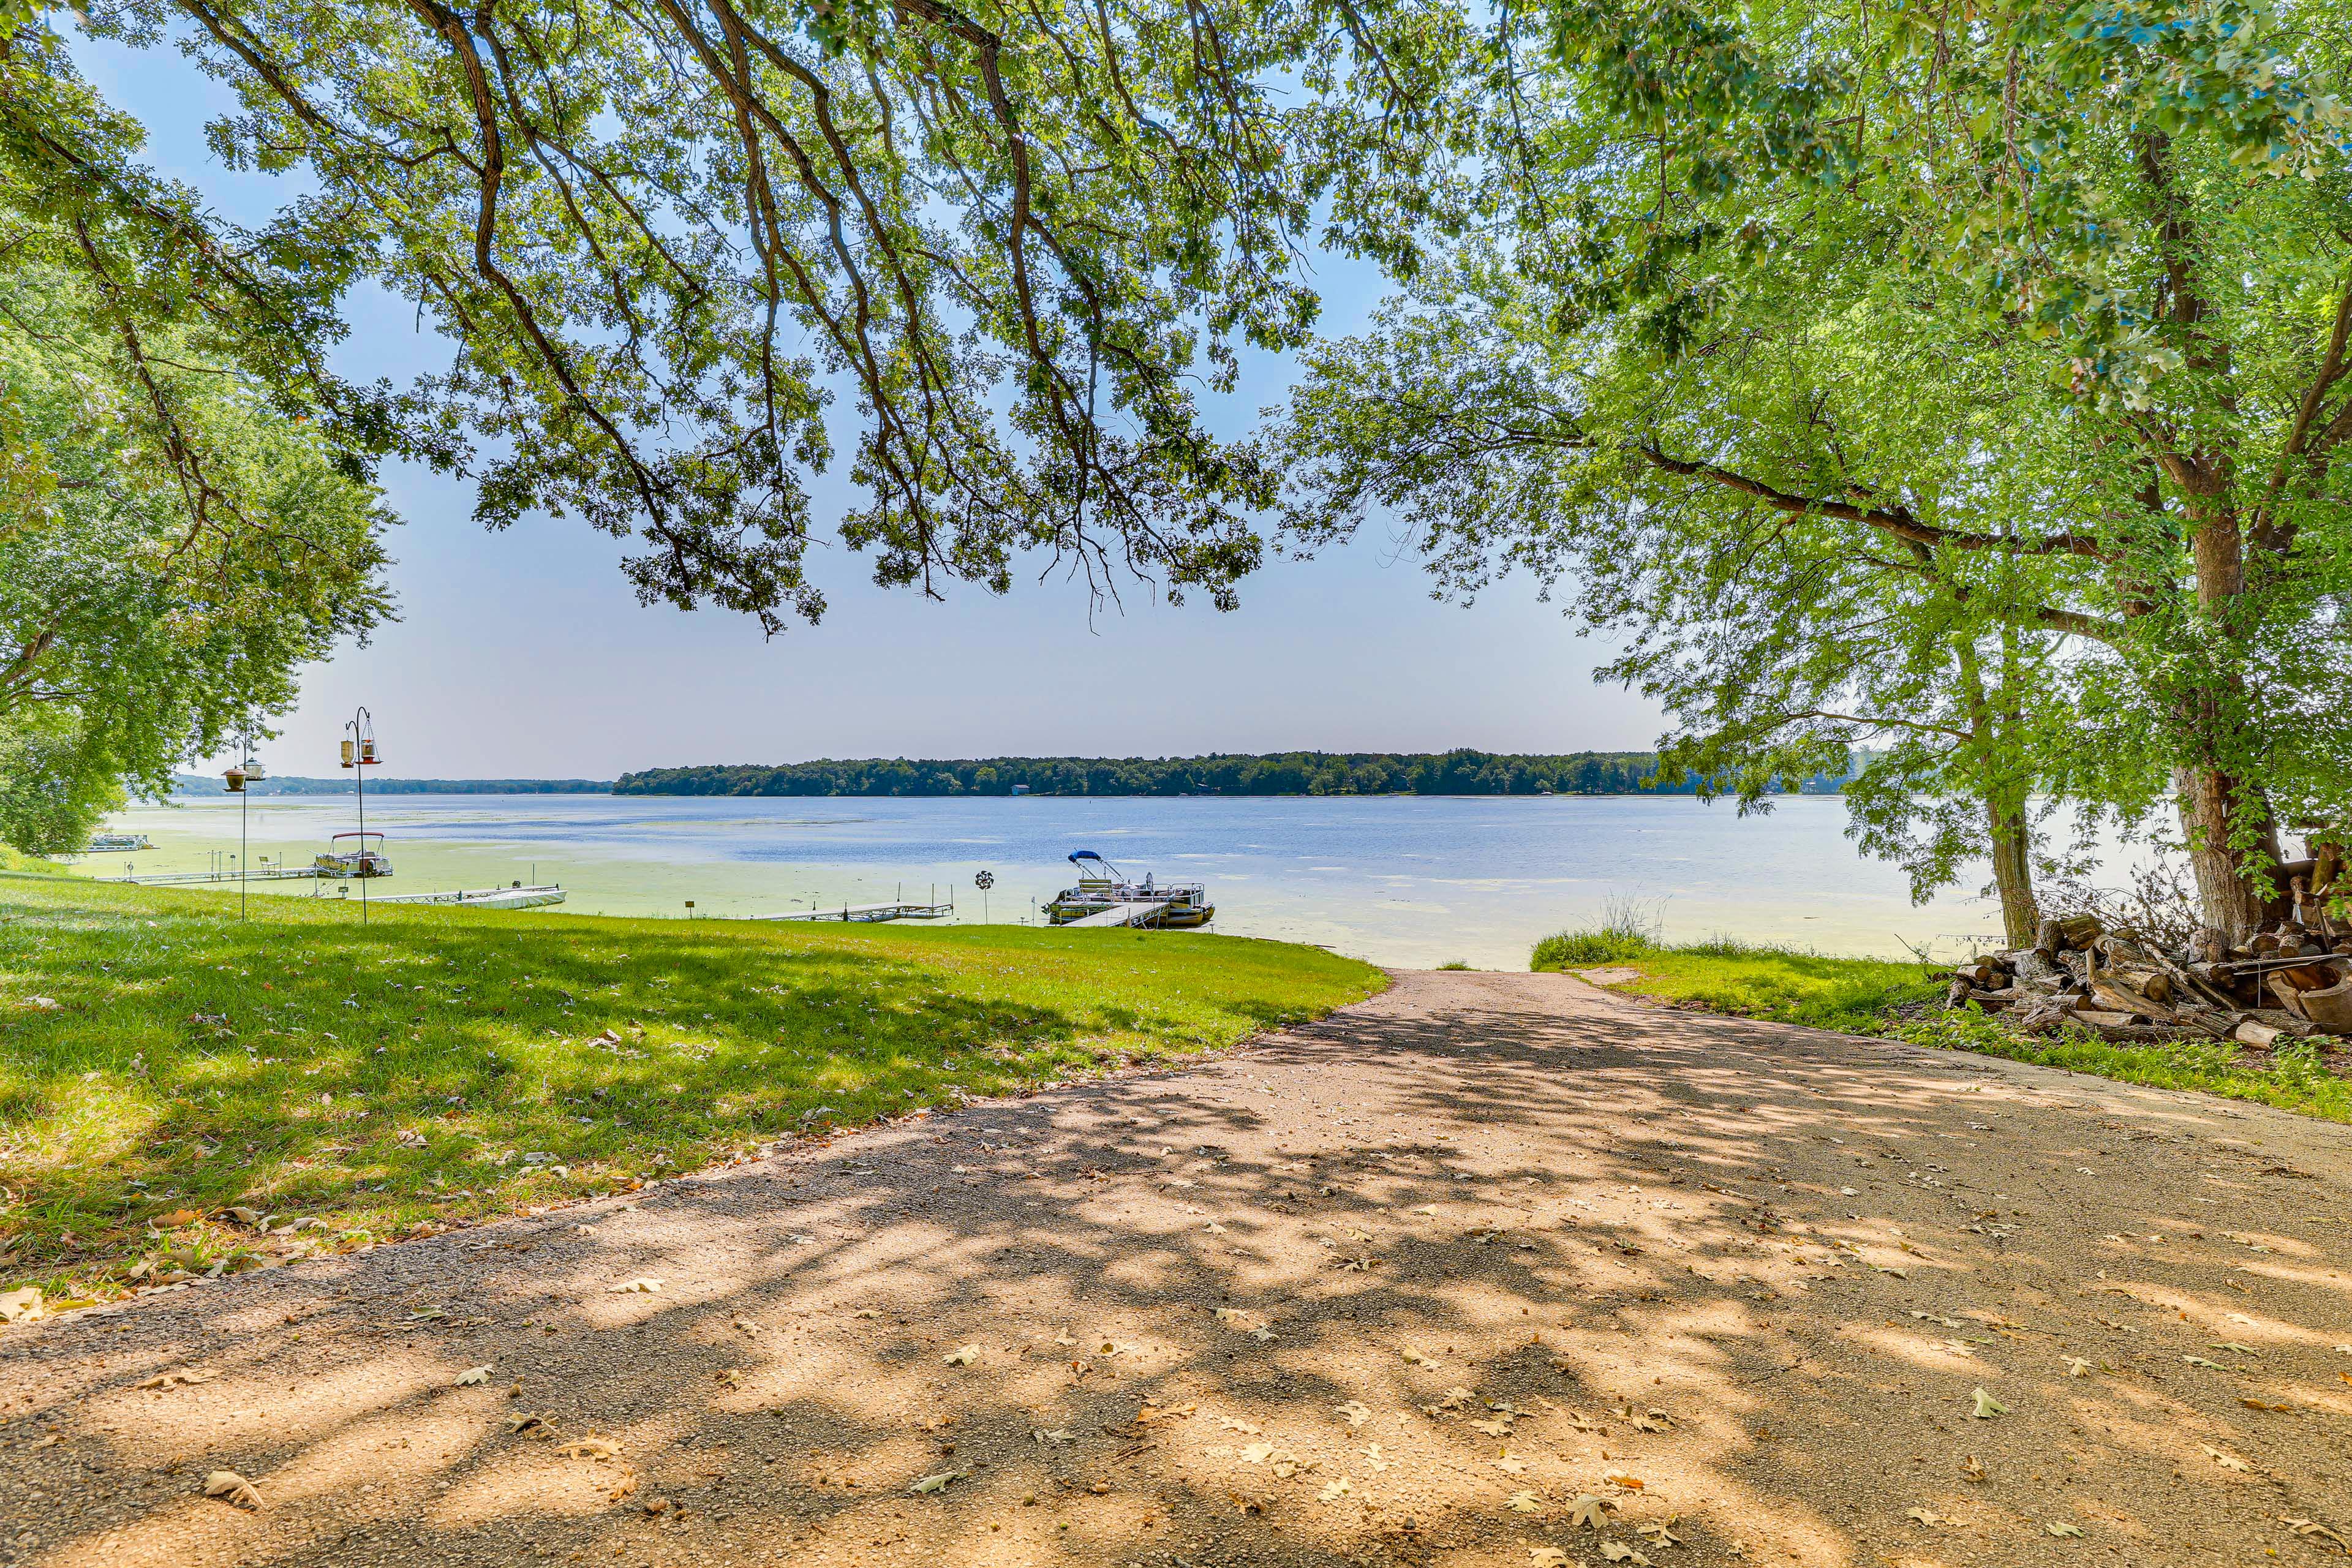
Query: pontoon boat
[
  {"x": 1106, "y": 896},
  {"x": 358, "y": 861}
]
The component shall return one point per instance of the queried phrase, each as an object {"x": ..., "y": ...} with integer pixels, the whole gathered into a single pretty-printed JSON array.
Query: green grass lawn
[
  {"x": 163, "y": 1063},
  {"x": 1857, "y": 995},
  {"x": 1877, "y": 996}
]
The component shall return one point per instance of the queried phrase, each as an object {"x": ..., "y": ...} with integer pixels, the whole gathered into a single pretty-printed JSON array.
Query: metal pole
[
  {"x": 241, "y": 852},
  {"x": 359, "y": 766}
]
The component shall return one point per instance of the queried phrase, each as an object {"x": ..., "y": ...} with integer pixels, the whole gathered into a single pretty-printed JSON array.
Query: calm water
[{"x": 1402, "y": 880}]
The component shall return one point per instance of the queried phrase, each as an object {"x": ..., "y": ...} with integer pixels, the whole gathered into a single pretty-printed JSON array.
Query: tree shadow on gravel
[{"x": 1476, "y": 1278}]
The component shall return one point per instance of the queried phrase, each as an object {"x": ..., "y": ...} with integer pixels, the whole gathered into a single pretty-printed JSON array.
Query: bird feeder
[
  {"x": 347, "y": 753},
  {"x": 253, "y": 770},
  {"x": 235, "y": 778}
]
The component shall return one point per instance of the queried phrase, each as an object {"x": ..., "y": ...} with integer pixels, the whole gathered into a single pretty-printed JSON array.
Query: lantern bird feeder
[
  {"x": 359, "y": 753},
  {"x": 235, "y": 780}
]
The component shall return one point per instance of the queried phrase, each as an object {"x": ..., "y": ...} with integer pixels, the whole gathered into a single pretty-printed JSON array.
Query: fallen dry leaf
[
  {"x": 2077, "y": 1367},
  {"x": 1588, "y": 1509},
  {"x": 2061, "y": 1528},
  {"x": 1618, "y": 1551},
  {"x": 938, "y": 1482},
  {"x": 591, "y": 1448},
  {"x": 233, "y": 1487},
  {"x": 964, "y": 1357},
  {"x": 473, "y": 1375},
  {"x": 1354, "y": 1412},
  {"x": 1334, "y": 1491},
  {"x": 1926, "y": 1516},
  {"x": 2312, "y": 1529},
  {"x": 1987, "y": 1406},
  {"x": 637, "y": 1287},
  {"x": 179, "y": 1377},
  {"x": 2227, "y": 1461},
  {"x": 1547, "y": 1557},
  {"x": 1257, "y": 1454},
  {"x": 1524, "y": 1502}
]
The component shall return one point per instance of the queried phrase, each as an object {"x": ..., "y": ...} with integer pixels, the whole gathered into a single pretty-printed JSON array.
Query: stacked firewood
[{"x": 2293, "y": 978}]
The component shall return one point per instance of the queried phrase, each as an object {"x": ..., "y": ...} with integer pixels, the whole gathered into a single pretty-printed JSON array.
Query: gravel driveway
[{"x": 1490, "y": 1269}]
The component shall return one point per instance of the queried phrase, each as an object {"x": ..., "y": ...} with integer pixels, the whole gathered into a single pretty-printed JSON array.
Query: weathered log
[
  {"x": 2060, "y": 932},
  {"x": 1958, "y": 994},
  {"x": 2330, "y": 1007},
  {"x": 2113, "y": 998},
  {"x": 2138, "y": 1034},
  {"x": 2035, "y": 967},
  {"x": 2288, "y": 994},
  {"x": 2255, "y": 1033}
]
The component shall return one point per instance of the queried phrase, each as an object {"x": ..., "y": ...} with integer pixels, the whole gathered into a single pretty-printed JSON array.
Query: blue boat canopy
[{"x": 1084, "y": 855}]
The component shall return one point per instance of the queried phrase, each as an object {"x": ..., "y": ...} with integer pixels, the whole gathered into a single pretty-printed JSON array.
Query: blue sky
[{"x": 525, "y": 653}]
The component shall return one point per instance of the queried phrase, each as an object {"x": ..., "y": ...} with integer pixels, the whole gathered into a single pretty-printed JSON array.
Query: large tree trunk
[
  {"x": 2212, "y": 805},
  {"x": 2228, "y": 823},
  {"x": 2012, "y": 865},
  {"x": 1999, "y": 785}
]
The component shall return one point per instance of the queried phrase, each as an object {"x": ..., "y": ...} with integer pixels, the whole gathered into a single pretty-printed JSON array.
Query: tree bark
[
  {"x": 2012, "y": 866},
  {"x": 2000, "y": 786},
  {"x": 2212, "y": 806}
]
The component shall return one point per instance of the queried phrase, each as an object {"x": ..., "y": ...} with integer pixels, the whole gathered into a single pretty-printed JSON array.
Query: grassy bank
[
  {"x": 1857, "y": 995},
  {"x": 163, "y": 1063},
  {"x": 1875, "y": 996}
]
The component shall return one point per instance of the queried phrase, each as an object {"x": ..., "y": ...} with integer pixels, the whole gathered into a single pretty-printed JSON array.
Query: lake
[{"x": 1407, "y": 880}]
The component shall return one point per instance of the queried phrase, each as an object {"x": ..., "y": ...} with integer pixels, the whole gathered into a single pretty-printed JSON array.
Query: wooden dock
[
  {"x": 868, "y": 912},
  {"x": 517, "y": 897},
  {"x": 275, "y": 874}
]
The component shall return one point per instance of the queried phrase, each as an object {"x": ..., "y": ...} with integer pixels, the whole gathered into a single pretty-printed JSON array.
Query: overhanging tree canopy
[
  {"x": 662, "y": 233},
  {"x": 1863, "y": 271}
]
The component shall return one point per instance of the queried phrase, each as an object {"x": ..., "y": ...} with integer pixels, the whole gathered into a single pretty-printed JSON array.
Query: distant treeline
[
  {"x": 1285, "y": 773},
  {"x": 208, "y": 784}
]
